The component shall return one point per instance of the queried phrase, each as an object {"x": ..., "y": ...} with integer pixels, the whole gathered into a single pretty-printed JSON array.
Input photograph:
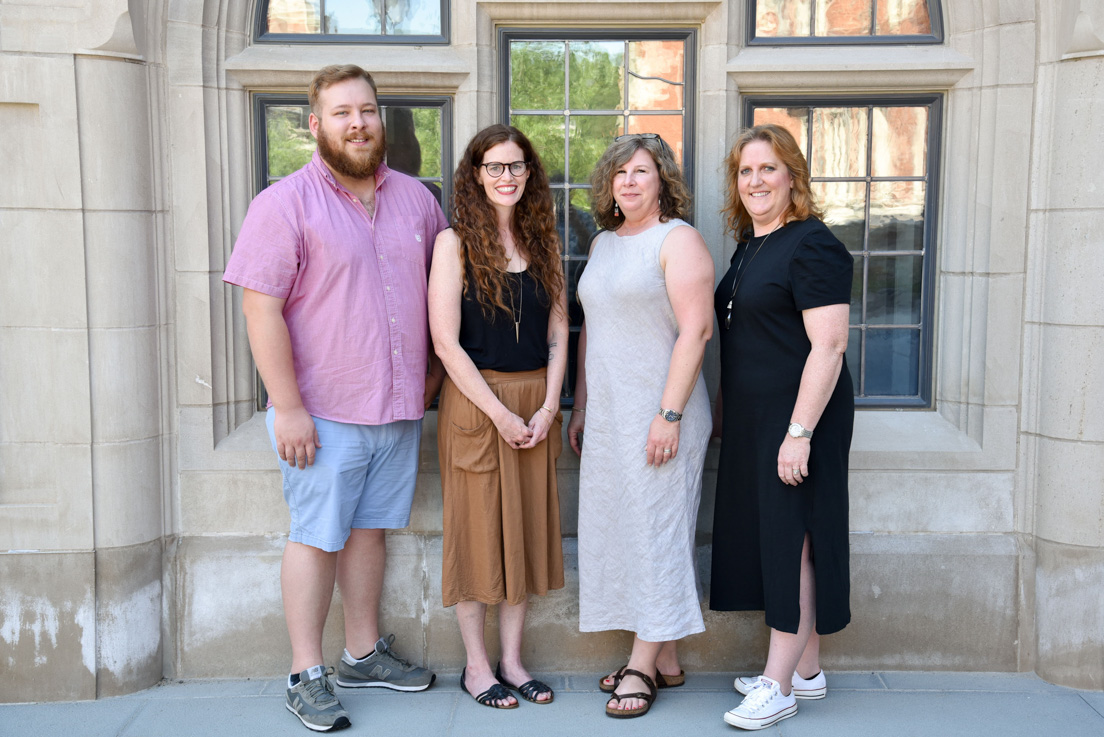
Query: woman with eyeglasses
[
  {"x": 780, "y": 532},
  {"x": 497, "y": 313},
  {"x": 641, "y": 419}
]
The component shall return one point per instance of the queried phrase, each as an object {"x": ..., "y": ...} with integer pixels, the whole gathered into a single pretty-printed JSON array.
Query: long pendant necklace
[
  {"x": 521, "y": 303},
  {"x": 740, "y": 276}
]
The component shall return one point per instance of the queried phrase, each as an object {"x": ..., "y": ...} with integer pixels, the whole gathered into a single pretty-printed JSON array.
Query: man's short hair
[{"x": 334, "y": 74}]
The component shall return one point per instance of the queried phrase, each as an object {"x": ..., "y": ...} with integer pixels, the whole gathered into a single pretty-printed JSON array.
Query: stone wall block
[
  {"x": 959, "y": 183},
  {"x": 194, "y": 344},
  {"x": 931, "y": 602},
  {"x": 1069, "y": 503},
  {"x": 44, "y": 393},
  {"x": 1008, "y": 228},
  {"x": 1017, "y": 55},
  {"x": 188, "y": 178},
  {"x": 115, "y": 138},
  {"x": 233, "y": 503},
  {"x": 48, "y": 626},
  {"x": 128, "y": 496},
  {"x": 896, "y": 502},
  {"x": 43, "y": 278},
  {"x": 1003, "y": 336},
  {"x": 184, "y": 45},
  {"x": 1077, "y": 158},
  {"x": 1015, "y": 11},
  {"x": 121, "y": 259},
  {"x": 38, "y": 114},
  {"x": 1070, "y": 383},
  {"x": 128, "y": 618},
  {"x": 46, "y": 496},
  {"x": 1069, "y": 601},
  {"x": 1074, "y": 259},
  {"x": 125, "y": 392}
]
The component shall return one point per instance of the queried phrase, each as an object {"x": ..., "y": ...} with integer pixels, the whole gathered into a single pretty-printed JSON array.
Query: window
[
  {"x": 329, "y": 21},
  {"x": 874, "y": 168},
  {"x": 844, "y": 21},
  {"x": 418, "y": 144},
  {"x": 572, "y": 93}
]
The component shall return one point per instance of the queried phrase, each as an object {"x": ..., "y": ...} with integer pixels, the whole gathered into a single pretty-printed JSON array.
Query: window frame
[
  {"x": 933, "y": 190},
  {"x": 262, "y": 36},
  {"x": 935, "y": 13}
]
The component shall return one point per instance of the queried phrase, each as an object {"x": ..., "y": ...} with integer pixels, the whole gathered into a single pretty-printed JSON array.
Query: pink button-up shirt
[{"x": 355, "y": 288}]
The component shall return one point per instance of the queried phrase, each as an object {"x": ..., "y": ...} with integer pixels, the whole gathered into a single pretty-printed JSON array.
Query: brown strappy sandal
[
  {"x": 661, "y": 681},
  {"x": 647, "y": 698}
]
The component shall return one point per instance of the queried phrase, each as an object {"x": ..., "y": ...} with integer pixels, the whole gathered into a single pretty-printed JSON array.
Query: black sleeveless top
[{"x": 493, "y": 344}]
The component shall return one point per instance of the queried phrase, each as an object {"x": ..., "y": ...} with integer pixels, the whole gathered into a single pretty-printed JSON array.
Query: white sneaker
[
  {"x": 763, "y": 706},
  {"x": 802, "y": 688}
]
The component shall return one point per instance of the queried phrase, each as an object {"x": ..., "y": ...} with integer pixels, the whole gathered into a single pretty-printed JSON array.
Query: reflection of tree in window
[{"x": 404, "y": 150}]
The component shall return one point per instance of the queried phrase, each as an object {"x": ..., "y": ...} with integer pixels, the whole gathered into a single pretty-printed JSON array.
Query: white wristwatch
[{"x": 796, "y": 430}]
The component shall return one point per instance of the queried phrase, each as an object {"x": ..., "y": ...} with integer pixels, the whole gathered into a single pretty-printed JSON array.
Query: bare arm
[
  {"x": 827, "y": 330},
  {"x": 688, "y": 273},
  {"x": 445, "y": 295},
  {"x": 296, "y": 436}
]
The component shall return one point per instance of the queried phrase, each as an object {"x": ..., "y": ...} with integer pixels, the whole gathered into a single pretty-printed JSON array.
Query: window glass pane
[
  {"x": 783, "y": 17},
  {"x": 412, "y": 17},
  {"x": 558, "y": 195},
  {"x": 891, "y": 366},
  {"x": 794, "y": 119},
  {"x": 893, "y": 290},
  {"x": 588, "y": 139},
  {"x": 294, "y": 16},
  {"x": 537, "y": 75},
  {"x": 580, "y": 223},
  {"x": 854, "y": 356},
  {"x": 414, "y": 140},
  {"x": 290, "y": 144},
  {"x": 354, "y": 17},
  {"x": 900, "y": 142},
  {"x": 903, "y": 17},
  {"x": 572, "y": 271},
  {"x": 839, "y": 142},
  {"x": 655, "y": 75},
  {"x": 855, "y": 314},
  {"x": 897, "y": 216},
  {"x": 669, "y": 127},
  {"x": 546, "y": 133},
  {"x": 844, "y": 206},
  {"x": 597, "y": 75},
  {"x": 843, "y": 17}
]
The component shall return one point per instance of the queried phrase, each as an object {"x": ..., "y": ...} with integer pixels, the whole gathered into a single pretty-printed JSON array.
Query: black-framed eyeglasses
[
  {"x": 645, "y": 136},
  {"x": 517, "y": 168}
]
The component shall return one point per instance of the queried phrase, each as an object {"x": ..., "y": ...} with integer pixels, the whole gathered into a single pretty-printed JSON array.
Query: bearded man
[{"x": 334, "y": 260}]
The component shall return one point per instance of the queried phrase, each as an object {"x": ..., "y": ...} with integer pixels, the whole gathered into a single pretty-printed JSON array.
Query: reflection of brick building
[
  {"x": 655, "y": 59},
  {"x": 293, "y": 16},
  {"x": 841, "y": 17}
]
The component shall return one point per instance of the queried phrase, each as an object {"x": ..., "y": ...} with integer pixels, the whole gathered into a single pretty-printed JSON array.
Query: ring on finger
[{"x": 666, "y": 450}]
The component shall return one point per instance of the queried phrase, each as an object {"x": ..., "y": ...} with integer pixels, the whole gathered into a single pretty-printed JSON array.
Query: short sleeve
[
  {"x": 821, "y": 270},
  {"x": 267, "y": 253}
]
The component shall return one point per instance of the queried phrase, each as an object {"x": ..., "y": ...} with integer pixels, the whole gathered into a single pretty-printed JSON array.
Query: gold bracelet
[
  {"x": 546, "y": 409},
  {"x": 578, "y": 409}
]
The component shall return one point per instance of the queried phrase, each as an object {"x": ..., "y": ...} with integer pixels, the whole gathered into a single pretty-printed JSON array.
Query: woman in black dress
[{"x": 780, "y": 524}]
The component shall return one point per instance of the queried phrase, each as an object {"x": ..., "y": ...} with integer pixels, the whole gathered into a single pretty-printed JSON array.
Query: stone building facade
[{"x": 141, "y": 520}]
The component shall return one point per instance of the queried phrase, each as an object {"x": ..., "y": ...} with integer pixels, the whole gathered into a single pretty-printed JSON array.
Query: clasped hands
[{"x": 520, "y": 435}]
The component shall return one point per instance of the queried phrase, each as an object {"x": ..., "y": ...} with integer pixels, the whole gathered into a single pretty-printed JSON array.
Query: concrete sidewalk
[{"x": 886, "y": 704}]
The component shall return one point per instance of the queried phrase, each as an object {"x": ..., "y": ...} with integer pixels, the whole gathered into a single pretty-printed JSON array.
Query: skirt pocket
[{"x": 475, "y": 450}]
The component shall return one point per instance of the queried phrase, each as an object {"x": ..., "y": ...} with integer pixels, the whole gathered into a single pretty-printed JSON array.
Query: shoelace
[
  {"x": 391, "y": 654},
  {"x": 320, "y": 690},
  {"x": 758, "y": 695}
]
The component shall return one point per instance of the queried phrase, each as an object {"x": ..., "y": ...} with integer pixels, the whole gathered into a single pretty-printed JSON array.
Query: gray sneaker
[
  {"x": 313, "y": 701},
  {"x": 383, "y": 668}
]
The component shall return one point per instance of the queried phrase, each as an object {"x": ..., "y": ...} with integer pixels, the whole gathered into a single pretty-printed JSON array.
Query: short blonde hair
[
  {"x": 802, "y": 203},
  {"x": 674, "y": 196}
]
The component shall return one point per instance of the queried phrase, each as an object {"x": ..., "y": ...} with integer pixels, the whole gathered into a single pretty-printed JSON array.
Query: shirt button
[
  {"x": 392, "y": 319},
  {"x": 387, "y": 288},
  {"x": 418, "y": 237},
  {"x": 396, "y": 351}
]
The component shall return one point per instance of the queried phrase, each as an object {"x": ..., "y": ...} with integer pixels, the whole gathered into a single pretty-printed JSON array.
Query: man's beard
[{"x": 359, "y": 165}]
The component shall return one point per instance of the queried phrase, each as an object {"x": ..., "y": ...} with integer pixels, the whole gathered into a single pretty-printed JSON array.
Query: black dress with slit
[{"x": 759, "y": 523}]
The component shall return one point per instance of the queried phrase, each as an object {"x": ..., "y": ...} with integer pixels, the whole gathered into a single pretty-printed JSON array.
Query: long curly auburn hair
[
  {"x": 802, "y": 204},
  {"x": 482, "y": 254}
]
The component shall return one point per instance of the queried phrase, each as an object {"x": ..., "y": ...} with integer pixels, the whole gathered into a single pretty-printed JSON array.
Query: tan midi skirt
[{"x": 501, "y": 508}]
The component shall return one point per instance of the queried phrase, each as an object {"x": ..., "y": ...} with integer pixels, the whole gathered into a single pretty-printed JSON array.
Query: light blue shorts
[{"x": 363, "y": 476}]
